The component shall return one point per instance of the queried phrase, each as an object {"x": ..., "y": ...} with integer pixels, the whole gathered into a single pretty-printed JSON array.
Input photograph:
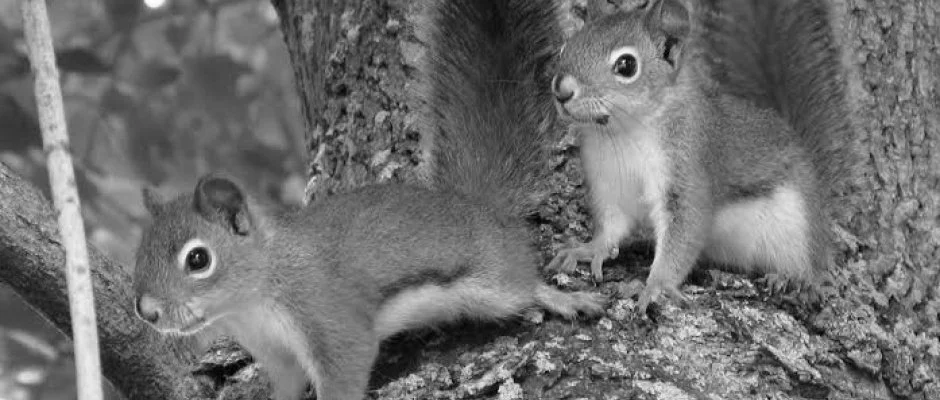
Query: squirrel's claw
[
  {"x": 656, "y": 291},
  {"x": 601, "y": 254},
  {"x": 597, "y": 270},
  {"x": 797, "y": 291},
  {"x": 567, "y": 259},
  {"x": 776, "y": 283}
]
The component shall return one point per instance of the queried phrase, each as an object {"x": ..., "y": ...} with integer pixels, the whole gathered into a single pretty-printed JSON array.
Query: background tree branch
[
  {"x": 135, "y": 359},
  {"x": 65, "y": 198}
]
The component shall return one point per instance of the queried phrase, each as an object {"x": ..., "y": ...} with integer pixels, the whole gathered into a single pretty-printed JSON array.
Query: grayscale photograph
[{"x": 469, "y": 199}]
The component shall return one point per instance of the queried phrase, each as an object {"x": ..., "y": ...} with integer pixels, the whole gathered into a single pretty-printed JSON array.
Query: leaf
[
  {"x": 177, "y": 33},
  {"x": 82, "y": 61},
  {"x": 6, "y": 39},
  {"x": 123, "y": 13},
  {"x": 20, "y": 128},
  {"x": 114, "y": 101},
  {"x": 149, "y": 144},
  {"x": 214, "y": 79},
  {"x": 13, "y": 65},
  {"x": 217, "y": 74},
  {"x": 155, "y": 74},
  {"x": 245, "y": 28}
]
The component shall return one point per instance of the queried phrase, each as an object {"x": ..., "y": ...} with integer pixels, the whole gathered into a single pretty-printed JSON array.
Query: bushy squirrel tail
[
  {"x": 783, "y": 54},
  {"x": 489, "y": 110}
]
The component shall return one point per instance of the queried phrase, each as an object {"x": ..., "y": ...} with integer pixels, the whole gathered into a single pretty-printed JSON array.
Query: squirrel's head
[
  {"x": 199, "y": 260},
  {"x": 622, "y": 64}
]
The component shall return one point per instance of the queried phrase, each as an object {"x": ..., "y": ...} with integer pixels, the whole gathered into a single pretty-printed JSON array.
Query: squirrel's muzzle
[{"x": 148, "y": 308}]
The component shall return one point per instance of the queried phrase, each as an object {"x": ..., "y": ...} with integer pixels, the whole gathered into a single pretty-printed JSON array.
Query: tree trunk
[
  {"x": 896, "y": 214},
  {"x": 351, "y": 78},
  {"x": 878, "y": 339}
]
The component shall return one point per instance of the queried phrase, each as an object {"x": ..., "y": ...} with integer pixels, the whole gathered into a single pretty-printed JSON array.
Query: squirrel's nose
[
  {"x": 564, "y": 87},
  {"x": 148, "y": 308}
]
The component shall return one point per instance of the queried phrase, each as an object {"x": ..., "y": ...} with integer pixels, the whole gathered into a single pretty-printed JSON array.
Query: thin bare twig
[
  {"x": 31, "y": 342},
  {"x": 65, "y": 198}
]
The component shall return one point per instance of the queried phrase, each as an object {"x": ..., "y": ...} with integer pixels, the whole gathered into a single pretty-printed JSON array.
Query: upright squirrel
[
  {"x": 726, "y": 127},
  {"x": 310, "y": 293}
]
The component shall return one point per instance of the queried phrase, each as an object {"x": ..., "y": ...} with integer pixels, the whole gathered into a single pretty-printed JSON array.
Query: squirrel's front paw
[
  {"x": 656, "y": 291},
  {"x": 567, "y": 259}
]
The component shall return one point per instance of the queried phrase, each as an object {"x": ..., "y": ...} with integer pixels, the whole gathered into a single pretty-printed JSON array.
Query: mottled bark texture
[
  {"x": 347, "y": 60},
  {"x": 32, "y": 261},
  {"x": 896, "y": 215}
]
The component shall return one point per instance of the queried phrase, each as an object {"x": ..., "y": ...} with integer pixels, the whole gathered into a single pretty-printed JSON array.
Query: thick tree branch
[{"x": 136, "y": 360}]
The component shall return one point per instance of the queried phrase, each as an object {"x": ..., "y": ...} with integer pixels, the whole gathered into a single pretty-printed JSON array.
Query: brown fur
[
  {"x": 739, "y": 175},
  {"x": 311, "y": 292},
  {"x": 304, "y": 290},
  {"x": 490, "y": 116}
]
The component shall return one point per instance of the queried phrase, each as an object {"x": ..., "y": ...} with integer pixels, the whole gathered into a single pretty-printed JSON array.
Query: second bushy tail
[
  {"x": 783, "y": 55},
  {"x": 489, "y": 108}
]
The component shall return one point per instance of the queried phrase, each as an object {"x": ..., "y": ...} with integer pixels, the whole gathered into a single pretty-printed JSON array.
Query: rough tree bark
[
  {"x": 353, "y": 62},
  {"x": 351, "y": 79},
  {"x": 896, "y": 215}
]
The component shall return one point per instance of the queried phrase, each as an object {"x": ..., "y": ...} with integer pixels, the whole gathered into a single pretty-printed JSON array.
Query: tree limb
[
  {"x": 136, "y": 360},
  {"x": 55, "y": 139}
]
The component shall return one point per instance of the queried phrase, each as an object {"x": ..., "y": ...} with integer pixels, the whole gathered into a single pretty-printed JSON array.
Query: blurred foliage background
[{"x": 157, "y": 92}]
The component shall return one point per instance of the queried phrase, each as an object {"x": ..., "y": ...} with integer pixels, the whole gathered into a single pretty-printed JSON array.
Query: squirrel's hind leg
[
  {"x": 767, "y": 234},
  {"x": 344, "y": 373},
  {"x": 288, "y": 379},
  {"x": 277, "y": 340},
  {"x": 781, "y": 236}
]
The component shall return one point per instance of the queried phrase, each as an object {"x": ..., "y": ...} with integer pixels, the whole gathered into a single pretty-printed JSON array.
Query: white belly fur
[
  {"x": 268, "y": 331},
  {"x": 628, "y": 174}
]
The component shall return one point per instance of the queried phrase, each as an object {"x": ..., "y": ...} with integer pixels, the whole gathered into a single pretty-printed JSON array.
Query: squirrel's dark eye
[
  {"x": 626, "y": 66},
  {"x": 198, "y": 259}
]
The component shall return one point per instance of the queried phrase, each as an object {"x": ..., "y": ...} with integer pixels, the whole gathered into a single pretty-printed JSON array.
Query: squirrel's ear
[
  {"x": 152, "y": 200},
  {"x": 221, "y": 200},
  {"x": 672, "y": 17}
]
